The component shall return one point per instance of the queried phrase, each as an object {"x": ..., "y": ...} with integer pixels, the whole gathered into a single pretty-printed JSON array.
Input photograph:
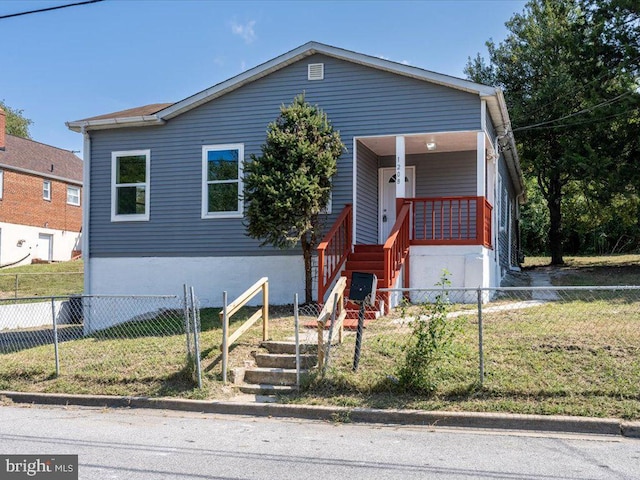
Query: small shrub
[{"x": 430, "y": 343}]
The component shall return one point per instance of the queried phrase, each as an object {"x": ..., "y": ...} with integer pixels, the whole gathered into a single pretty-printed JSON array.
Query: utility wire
[
  {"x": 2, "y": 17},
  {"x": 594, "y": 120},
  {"x": 584, "y": 110}
]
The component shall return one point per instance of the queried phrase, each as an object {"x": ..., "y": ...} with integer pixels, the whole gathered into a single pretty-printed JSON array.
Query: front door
[{"x": 387, "y": 198}]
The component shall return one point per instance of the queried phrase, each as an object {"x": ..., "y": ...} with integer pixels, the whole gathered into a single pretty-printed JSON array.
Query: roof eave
[
  {"x": 106, "y": 123},
  {"x": 312, "y": 48}
]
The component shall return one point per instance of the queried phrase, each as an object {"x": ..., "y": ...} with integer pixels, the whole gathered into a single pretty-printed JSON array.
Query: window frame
[
  {"x": 46, "y": 190},
  {"x": 1, "y": 184},
  {"x": 132, "y": 217},
  {"x": 205, "y": 213},
  {"x": 77, "y": 189}
]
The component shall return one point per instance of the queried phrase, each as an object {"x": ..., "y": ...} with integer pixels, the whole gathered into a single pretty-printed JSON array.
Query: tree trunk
[
  {"x": 308, "y": 278},
  {"x": 554, "y": 202}
]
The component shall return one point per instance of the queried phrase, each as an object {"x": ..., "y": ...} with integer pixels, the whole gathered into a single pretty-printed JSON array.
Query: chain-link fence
[
  {"x": 103, "y": 344},
  {"x": 555, "y": 340}
]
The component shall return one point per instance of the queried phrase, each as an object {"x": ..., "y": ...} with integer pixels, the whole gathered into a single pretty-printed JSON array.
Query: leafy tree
[
  {"x": 289, "y": 185},
  {"x": 569, "y": 69},
  {"x": 17, "y": 123}
]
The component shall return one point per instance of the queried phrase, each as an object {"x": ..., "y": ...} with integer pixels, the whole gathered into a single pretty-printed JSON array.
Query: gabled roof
[
  {"x": 159, "y": 113},
  {"x": 28, "y": 156},
  {"x": 145, "y": 116}
]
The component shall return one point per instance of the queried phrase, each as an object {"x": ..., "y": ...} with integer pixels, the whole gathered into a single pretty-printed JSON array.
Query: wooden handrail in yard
[
  {"x": 229, "y": 310},
  {"x": 396, "y": 248},
  {"x": 332, "y": 310},
  {"x": 333, "y": 250}
]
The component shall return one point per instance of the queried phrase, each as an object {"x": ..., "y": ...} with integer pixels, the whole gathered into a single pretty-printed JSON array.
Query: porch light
[{"x": 431, "y": 146}]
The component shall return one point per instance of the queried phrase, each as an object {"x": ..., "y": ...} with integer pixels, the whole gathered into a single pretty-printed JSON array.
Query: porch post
[
  {"x": 400, "y": 172},
  {"x": 481, "y": 165}
]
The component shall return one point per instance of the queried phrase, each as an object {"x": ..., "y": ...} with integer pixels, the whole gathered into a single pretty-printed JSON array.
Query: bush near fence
[{"x": 557, "y": 350}]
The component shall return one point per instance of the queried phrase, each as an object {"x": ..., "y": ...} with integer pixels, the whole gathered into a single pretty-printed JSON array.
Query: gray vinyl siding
[
  {"x": 441, "y": 174},
  {"x": 359, "y": 101},
  {"x": 367, "y": 197}
]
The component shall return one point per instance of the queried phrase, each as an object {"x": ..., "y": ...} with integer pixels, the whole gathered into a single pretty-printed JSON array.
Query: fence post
[
  {"x": 333, "y": 321},
  {"x": 320, "y": 351},
  {"x": 480, "y": 340},
  {"x": 187, "y": 322},
  {"x": 296, "y": 322},
  {"x": 55, "y": 335},
  {"x": 16, "y": 296},
  {"x": 225, "y": 337},
  {"x": 265, "y": 310},
  {"x": 196, "y": 337}
]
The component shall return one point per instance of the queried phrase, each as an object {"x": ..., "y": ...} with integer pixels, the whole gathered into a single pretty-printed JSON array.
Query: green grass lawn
[
  {"x": 61, "y": 278},
  {"x": 578, "y": 356},
  {"x": 587, "y": 271}
]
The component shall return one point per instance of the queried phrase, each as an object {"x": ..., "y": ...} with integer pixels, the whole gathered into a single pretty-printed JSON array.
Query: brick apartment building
[{"x": 40, "y": 201}]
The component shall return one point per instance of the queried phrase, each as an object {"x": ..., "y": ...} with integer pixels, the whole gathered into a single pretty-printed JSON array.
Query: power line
[
  {"x": 594, "y": 120},
  {"x": 2, "y": 17},
  {"x": 584, "y": 110}
]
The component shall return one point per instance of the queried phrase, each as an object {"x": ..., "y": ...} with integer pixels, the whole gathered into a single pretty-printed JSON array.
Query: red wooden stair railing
[{"x": 334, "y": 250}]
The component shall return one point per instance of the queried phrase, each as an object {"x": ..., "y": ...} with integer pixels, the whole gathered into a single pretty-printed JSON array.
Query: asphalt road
[{"x": 161, "y": 444}]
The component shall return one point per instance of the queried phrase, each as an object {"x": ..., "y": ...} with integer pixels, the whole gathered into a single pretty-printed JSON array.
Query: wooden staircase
[
  {"x": 366, "y": 259},
  {"x": 274, "y": 372}
]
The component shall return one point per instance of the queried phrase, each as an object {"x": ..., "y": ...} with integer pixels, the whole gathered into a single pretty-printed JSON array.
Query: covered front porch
[{"x": 416, "y": 194}]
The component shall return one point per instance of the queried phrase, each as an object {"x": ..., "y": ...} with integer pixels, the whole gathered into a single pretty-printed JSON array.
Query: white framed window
[
  {"x": 503, "y": 205},
  {"x": 130, "y": 173},
  {"x": 222, "y": 180},
  {"x": 46, "y": 190},
  {"x": 73, "y": 195}
]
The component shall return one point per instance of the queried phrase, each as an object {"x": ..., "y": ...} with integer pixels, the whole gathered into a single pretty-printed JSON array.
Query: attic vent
[{"x": 315, "y": 71}]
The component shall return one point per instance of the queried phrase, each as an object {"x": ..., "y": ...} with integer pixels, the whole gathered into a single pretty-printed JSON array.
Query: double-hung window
[
  {"x": 73, "y": 195},
  {"x": 130, "y": 185},
  {"x": 222, "y": 180},
  {"x": 46, "y": 190}
]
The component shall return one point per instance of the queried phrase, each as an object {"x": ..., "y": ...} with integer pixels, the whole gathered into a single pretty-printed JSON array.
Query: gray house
[{"x": 430, "y": 180}]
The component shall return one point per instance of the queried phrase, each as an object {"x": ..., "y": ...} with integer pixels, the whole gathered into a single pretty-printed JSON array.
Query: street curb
[{"x": 501, "y": 421}]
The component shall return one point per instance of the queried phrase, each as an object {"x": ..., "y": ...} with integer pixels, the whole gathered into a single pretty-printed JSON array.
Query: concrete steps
[{"x": 274, "y": 372}]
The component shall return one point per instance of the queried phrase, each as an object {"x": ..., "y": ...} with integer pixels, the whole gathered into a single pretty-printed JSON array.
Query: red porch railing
[
  {"x": 396, "y": 248},
  {"x": 451, "y": 221},
  {"x": 333, "y": 250}
]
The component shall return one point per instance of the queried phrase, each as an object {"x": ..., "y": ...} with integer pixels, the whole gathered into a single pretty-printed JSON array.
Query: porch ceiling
[{"x": 414, "y": 144}]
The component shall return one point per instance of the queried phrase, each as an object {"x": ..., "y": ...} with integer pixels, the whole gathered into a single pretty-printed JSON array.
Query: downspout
[
  {"x": 86, "y": 155},
  {"x": 497, "y": 203}
]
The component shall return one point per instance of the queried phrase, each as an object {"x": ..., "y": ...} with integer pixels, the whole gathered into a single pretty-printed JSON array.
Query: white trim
[
  {"x": 400, "y": 166},
  {"x": 86, "y": 182},
  {"x": 481, "y": 165},
  {"x": 46, "y": 190},
  {"x": 1, "y": 183},
  {"x": 354, "y": 186},
  {"x": 205, "y": 214},
  {"x": 78, "y": 190},
  {"x": 275, "y": 64},
  {"x": 483, "y": 115},
  {"x": 412, "y": 168},
  {"x": 136, "y": 217}
]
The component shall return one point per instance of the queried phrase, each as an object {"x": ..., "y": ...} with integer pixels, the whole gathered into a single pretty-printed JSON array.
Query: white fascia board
[
  {"x": 500, "y": 116},
  {"x": 233, "y": 83},
  {"x": 106, "y": 123},
  {"x": 312, "y": 48}
]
